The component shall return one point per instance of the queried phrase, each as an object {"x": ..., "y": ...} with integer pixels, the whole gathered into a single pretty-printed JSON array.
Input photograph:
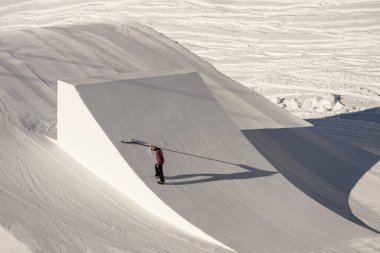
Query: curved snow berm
[{"x": 240, "y": 172}]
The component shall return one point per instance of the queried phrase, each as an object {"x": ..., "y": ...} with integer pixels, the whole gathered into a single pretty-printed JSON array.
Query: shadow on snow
[
  {"x": 249, "y": 173},
  {"x": 320, "y": 165}
]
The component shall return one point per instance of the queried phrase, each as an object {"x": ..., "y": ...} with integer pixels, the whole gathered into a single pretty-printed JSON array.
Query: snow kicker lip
[{"x": 98, "y": 147}]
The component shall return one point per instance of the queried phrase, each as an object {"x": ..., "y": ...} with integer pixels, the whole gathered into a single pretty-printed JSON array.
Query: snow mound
[
  {"x": 316, "y": 106},
  {"x": 39, "y": 126}
]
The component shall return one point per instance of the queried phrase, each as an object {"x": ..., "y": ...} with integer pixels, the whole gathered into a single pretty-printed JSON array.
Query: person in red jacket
[{"x": 159, "y": 156}]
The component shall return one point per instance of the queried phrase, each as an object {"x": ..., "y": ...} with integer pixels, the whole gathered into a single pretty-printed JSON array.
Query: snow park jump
[{"x": 240, "y": 173}]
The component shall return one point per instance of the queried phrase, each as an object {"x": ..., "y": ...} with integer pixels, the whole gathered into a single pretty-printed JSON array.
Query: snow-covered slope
[
  {"x": 97, "y": 144},
  {"x": 361, "y": 128},
  {"x": 223, "y": 178},
  {"x": 315, "y": 59},
  {"x": 50, "y": 203},
  {"x": 322, "y": 197},
  {"x": 301, "y": 54}
]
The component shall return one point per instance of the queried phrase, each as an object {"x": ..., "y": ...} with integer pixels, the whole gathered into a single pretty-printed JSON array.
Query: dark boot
[{"x": 157, "y": 174}]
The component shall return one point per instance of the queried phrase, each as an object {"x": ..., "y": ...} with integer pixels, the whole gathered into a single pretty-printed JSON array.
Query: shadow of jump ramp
[
  {"x": 219, "y": 187},
  {"x": 322, "y": 166}
]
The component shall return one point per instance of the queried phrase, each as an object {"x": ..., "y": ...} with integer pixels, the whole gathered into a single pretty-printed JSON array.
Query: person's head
[{"x": 153, "y": 148}]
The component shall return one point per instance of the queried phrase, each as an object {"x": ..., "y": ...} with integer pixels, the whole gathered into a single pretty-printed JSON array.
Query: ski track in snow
[
  {"x": 292, "y": 51},
  {"x": 308, "y": 49}
]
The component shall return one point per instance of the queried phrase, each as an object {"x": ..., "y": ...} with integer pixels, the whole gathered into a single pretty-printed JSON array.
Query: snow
[
  {"x": 220, "y": 160},
  {"x": 294, "y": 187},
  {"x": 323, "y": 105},
  {"x": 88, "y": 143},
  {"x": 10, "y": 244},
  {"x": 277, "y": 48},
  {"x": 50, "y": 203},
  {"x": 359, "y": 128}
]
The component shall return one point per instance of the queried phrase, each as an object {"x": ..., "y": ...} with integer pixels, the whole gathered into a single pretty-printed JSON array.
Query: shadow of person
[{"x": 210, "y": 177}]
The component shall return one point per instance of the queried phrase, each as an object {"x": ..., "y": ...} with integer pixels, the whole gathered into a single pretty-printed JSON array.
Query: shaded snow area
[{"x": 359, "y": 128}]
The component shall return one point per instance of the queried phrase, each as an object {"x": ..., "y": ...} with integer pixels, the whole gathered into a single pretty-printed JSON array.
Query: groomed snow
[
  {"x": 81, "y": 136},
  {"x": 225, "y": 140},
  {"x": 294, "y": 50},
  {"x": 327, "y": 205}
]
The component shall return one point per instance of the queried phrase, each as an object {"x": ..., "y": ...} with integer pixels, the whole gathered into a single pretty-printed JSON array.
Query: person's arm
[{"x": 152, "y": 152}]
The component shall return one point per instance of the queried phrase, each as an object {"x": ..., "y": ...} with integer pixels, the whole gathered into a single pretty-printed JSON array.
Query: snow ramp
[{"x": 228, "y": 181}]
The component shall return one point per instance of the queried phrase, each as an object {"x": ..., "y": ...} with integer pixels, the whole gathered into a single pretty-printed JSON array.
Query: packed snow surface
[
  {"x": 300, "y": 51},
  {"x": 241, "y": 169},
  {"x": 315, "y": 59},
  {"x": 273, "y": 183}
]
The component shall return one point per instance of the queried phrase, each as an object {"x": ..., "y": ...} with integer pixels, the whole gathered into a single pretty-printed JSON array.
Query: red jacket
[{"x": 159, "y": 156}]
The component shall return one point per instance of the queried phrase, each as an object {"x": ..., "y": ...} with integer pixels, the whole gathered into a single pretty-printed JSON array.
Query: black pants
[{"x": 159, "y": 172}]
